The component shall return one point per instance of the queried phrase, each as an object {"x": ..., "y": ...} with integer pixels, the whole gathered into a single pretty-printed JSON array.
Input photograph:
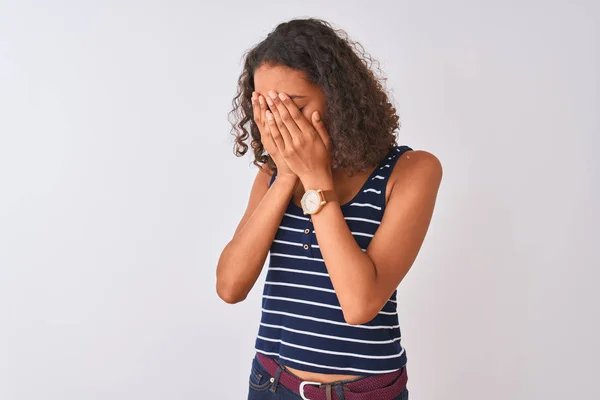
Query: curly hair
[{"x": 359, "y": 117}]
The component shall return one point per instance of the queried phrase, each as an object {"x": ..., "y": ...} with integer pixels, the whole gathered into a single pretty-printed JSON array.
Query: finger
[
  {"x": 265, "y": 136},
  {"x": 320, "y": 128},
  {"x": 256, "y": 109},
  {"x": 263, "y": 109},
  {"x": 261, "y": 118},
  {"x": 298, "y": 120},
  {"x": 287, "y": 138},
  {"x": 275, "y": 133},
  {"x": 265, "y": 130},
  {"x": 286, "y": 118}
]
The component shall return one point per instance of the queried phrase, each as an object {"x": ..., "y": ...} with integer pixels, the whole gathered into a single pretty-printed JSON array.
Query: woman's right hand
[{"x": 259, "y": 106}]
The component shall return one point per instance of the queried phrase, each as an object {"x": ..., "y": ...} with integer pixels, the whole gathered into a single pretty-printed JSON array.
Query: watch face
[{"x": 310, "y": 201}]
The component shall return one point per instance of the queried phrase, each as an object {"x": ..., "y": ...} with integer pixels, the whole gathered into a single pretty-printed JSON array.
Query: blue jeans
[{"x": 261, "y": 387}]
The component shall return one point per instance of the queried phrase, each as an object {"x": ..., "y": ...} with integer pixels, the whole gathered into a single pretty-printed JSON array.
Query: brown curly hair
[{"x": 359, "y": 118}]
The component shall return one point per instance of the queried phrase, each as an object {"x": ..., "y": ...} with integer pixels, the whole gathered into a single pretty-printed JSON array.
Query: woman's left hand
[{"x": 305, "y": 147}]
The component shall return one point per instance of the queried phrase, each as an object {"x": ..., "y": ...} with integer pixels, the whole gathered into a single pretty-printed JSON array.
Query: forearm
[
  {"x": 243, "y": 257},
  {"x": 352, "y": 272}
]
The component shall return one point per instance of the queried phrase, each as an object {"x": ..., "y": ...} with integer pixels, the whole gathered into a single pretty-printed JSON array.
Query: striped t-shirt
[{"x": 302, "y": 324}]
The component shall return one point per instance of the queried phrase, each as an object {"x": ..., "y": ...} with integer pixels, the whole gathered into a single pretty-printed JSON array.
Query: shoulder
[
  {"x": 417, "y": 168},
  {"x": 419, "y": 161}
]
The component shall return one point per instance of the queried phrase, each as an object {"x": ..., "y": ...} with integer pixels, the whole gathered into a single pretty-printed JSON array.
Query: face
[{"x": 307, "y": 96}]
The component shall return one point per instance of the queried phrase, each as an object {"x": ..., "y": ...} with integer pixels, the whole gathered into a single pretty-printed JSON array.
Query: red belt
[{"x": 382, "y": 386}]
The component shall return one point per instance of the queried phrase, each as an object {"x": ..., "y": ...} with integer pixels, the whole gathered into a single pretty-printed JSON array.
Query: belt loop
[
  {"x": 328, "y": 392},
  {"x": 339, "y": 391},
  {"x": 276, "y": 379}
]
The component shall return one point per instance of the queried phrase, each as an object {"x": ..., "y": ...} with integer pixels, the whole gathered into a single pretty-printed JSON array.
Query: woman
[{"x": 339, "y": 206}]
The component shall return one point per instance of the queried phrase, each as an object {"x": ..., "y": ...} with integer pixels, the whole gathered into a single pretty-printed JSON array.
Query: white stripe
[
  {"x": 313, "y": 258},
  {"x": 296, "y": 216},
  {"x": 327, "y": 321},
  {"x": 345, "y": 339},
  {"x": 378, "y": 177},
  {"x": 337, "y": 353},
  {"x": 314, "y": 303},
  {"x": 364, "y": 220},
  {"x": 385, "y": 166},
  {"x": 346, "y": 218},
  {"x": 362, "y": 234},
  {"x": 316, "y": 246},
  {"x": 368, "y": 371},
  {"x": 300, "y": 286},
  {"x": 286, "y": 242},
  {"x": 372, "y": 190},
  {"x": 294, "y": 243},
  {"x": 267, "y": 353},
  {"x": 267, "y": 339},
  {"x": 291, "y": 229},
  {"x": 299, "y": 271},
  {"x": 298, "y": 257},
  {"x": 366, "y": 205}
]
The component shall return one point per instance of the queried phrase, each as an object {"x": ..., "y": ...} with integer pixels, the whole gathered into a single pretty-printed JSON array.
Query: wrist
[
  {"x": 288, "y": 181},
  {"x": 322, "y": 180}
]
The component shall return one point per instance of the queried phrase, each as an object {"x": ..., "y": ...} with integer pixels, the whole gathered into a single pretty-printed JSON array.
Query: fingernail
[
  {"x": 269, "y": 116},
  {"x": 273, "y": 94},
  {"x": 269, "y": 101},
  {"x": 260, "y": 100},
  {"x": 317, "y": 116},
  {"x": 282, "y": 96}
]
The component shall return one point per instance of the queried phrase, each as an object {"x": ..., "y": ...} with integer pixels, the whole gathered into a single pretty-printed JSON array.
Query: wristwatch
[{"x": 313, "y": 200}]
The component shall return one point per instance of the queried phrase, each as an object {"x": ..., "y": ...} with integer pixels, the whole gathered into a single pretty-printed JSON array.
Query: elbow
[
  {"x": 231, "y": 299},
  {"x": 229, "y": 294},
  {"x": 358, "y": 315},
  {"x": 230, "y": 289}
]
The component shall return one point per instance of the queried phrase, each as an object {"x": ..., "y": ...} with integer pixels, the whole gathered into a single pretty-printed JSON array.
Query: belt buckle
[{"x": 304, "y": 383}]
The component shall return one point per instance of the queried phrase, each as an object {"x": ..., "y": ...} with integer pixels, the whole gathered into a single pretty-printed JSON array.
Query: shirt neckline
[{"x": 362, "y": 188}]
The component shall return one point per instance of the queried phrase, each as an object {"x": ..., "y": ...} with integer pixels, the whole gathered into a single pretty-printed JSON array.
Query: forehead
[{"x": 281, "y": 79}]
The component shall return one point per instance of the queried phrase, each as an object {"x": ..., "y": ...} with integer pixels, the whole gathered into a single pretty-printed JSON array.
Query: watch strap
[{"x": 329, "y": 195}]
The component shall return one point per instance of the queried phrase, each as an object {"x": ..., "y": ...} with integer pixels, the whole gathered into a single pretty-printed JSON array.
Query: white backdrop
[{"x": 119, "y": 189}]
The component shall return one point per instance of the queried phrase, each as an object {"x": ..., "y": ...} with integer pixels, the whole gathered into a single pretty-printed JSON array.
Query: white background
[{"x": 119, "y": 189}]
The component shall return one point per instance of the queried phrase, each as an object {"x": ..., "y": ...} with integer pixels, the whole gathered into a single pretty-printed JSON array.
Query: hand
[
  {"x": 259, "y": 106},
  {"x": 305, "y": 147}
]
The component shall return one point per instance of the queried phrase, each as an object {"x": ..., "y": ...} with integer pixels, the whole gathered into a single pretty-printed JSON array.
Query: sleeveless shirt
[{"x": 302, "y": 324}]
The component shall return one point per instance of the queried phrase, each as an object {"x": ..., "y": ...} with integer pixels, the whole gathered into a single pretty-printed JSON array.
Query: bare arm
[
  {"x": 242, "y": 259},
  {"x": 364, "y": 281}
]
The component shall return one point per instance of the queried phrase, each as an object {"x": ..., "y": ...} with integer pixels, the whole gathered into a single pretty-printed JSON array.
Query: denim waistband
[{"x": 380, "y": 386}]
